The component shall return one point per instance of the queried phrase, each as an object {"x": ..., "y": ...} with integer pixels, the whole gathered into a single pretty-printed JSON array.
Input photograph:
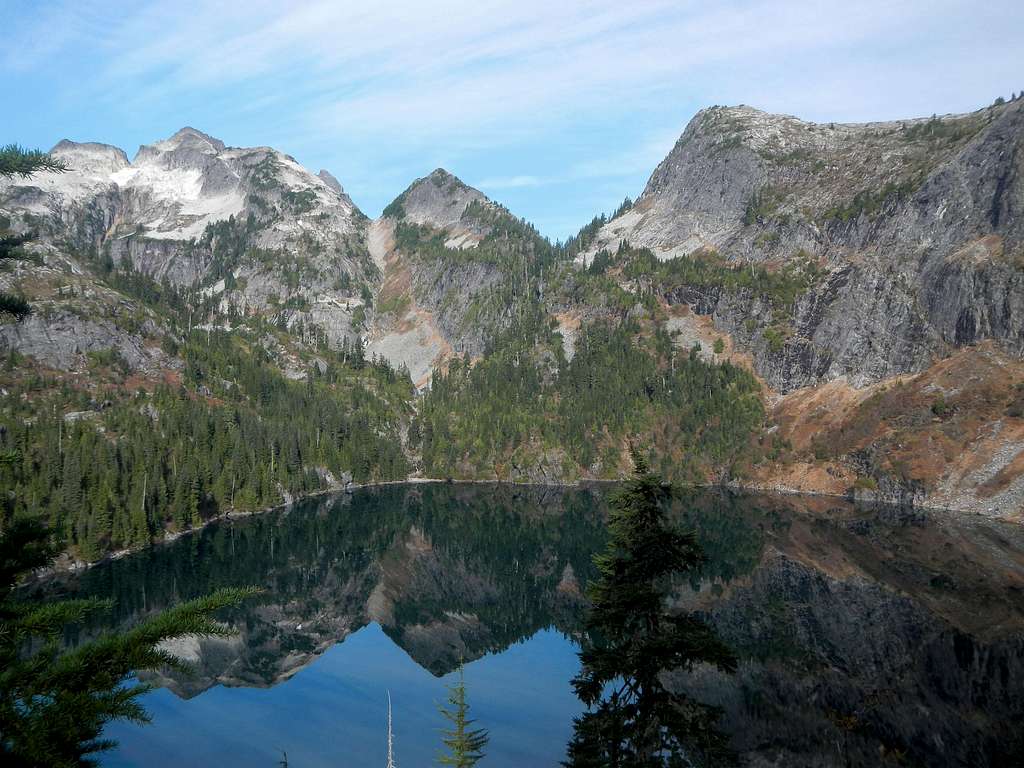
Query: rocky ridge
[
  {"x": 249, "y": 225},
  {"x": 916, "y": 225}
]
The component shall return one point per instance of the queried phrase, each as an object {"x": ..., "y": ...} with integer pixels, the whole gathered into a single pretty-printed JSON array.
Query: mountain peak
[
  {"x": 437, "y": 200},
  {"x": 90, "y": 156},
  {"x": 193, "y": 138},
  {"x": 329, "y": 179},
  {"x": 188, "y": 145},
  {"x": 444, "y": 176}
]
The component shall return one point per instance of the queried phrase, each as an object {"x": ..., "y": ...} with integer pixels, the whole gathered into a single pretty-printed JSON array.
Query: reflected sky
[{"x": 334, "y": 712}]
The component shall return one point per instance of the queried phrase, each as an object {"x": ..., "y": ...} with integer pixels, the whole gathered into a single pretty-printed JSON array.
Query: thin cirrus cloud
[
  {"x": 561, "y": 109},
  {"x": 511, "y": 182}
]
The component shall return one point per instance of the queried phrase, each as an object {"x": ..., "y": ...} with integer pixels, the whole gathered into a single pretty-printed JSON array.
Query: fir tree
[
  {"x": 464, "y": 744},
  {"x": 54, "y": 703},
  {"x": 631, "y": 640},
  {"x": 15, "y": 161}
]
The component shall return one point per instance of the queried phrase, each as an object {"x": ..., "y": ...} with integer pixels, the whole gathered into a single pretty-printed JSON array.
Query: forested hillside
[
  {"x": 112, "y": 459},
  {"x": 217, "y": 329}
]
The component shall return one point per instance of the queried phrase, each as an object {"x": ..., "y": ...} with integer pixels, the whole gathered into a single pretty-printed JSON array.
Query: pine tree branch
[{"x": 17, "y": 161}]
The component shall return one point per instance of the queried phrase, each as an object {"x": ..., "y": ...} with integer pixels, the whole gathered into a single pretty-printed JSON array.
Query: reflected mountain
[
  {"x": 450, "y": 572},
  {"x": 867, "y": 636}
]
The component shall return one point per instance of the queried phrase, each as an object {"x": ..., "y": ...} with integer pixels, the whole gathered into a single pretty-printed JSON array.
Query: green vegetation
[
  {"x": 235, "y": 433},
  {"x": 940, "y": 407},
  {"x": 521, "y": 400},
  {"x": 15, "y": 161},
  {"x": 264, "y": 175},
  {"x": 301, "y": 201},
  {"x": 632, "y": 640},
  {"x": 464, "y": 745},
  {"x": 776, "y": 337},
  {"x": 395, "y": 209},
  {"x": 517, "y": 256},
  {"x": 54, "y": 703},
  {"x": 601, "y": 262},
  {"x": 935, "y": 130},
  {"x": 763, "y": 204},
  {"x": 866, "y": 483},
  {"x": 396, "y": 305},
  {"x": 582, "y": 240},
  {"x": 870, "y": 202},
  {"x": 706, "y": 270}
]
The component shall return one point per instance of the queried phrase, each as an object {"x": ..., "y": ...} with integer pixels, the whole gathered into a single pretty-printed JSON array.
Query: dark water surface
[{"x": 867, "y": 636}]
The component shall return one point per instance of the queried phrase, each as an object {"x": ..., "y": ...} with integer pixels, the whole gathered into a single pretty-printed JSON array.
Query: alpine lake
[{"x": 867, "y": 635}]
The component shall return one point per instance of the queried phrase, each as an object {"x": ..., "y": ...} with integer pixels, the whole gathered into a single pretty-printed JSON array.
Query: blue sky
[{"x": 556, "y": 109}]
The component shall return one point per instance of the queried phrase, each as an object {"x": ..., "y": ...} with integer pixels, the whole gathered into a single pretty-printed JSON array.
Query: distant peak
[
  {"x": 444, "y": 180},
  {"x": 67, "y": 145},
  {"x": 438, "y": 199},
  {"x": 89, "y": 154},
  {"x": 191, "y": 137},
  {"x": 330, "y": 181}
]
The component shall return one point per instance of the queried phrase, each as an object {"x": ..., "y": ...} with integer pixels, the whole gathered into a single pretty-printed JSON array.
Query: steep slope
[
  {"x": 916, "y": 225},
  {"x": 458, "y": 268},
  {"x": 192, "y": 348},
  {"x": 826, "y": 308},
  {"x": 860, "y": 267}
]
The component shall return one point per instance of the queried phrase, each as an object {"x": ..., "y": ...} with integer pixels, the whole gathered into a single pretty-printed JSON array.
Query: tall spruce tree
[
  {"x": 55, "y": 702},
  {"x": 632, "y": 640},
  {"x": 463, "y": 745},
  {"x": 15, "y": 161}
]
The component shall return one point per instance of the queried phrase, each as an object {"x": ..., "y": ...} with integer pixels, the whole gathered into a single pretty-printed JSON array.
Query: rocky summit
[{"x": 855, "y": 290}]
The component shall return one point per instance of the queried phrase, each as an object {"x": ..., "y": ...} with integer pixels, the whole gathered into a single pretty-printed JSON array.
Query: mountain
[
  {"x": 887, "y": 321},
  {"x": 249, "y": 225},
  {"x": 793, "y": 306},
  {"x": 917, "y": 225},
  {"x": 457, "y": 267}
]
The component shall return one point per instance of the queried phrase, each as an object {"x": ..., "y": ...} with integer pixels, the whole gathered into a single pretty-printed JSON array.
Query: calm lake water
[{"x": 867, "y": 636}]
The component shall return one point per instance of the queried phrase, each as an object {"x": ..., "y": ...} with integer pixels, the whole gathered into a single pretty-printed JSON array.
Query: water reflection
[{"x": 865, "y": 637}]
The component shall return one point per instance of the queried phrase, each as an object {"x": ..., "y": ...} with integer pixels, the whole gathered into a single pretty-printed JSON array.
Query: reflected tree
[{"x": 631, "y": 640}]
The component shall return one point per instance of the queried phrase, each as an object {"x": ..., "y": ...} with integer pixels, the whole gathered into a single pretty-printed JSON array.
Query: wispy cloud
[{"x": 511, "y": 182}]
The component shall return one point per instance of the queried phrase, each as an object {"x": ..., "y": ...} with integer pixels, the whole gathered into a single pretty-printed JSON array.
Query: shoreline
[{"x": 65, "y": 566}]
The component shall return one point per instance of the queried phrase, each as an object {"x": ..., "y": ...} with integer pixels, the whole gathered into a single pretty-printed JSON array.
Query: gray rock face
[
  {"x": 330, "y": 181},
  {"x": 288, "y": 234},
  {"x": 62, "y": 340},
  {"x": 438, "y": 200},
  {"x": 443, "y": 314},
  {"x": 90, "y": 158},
  {"x": 918, "y": 224}
]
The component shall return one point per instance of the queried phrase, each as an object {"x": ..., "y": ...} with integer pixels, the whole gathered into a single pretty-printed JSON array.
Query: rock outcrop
[
  {"x": 199, "y": 214},
  {"x": 425, "y": 313},
  {"x": 917, "y": 226}
]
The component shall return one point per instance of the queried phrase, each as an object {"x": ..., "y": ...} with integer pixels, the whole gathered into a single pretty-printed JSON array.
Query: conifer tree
[
  {"x": 632, "y": 718},
  {"x": 54, "y": 703},
  {"x": 15, "y": 161},
  {"x": 464, "y": 745}
]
